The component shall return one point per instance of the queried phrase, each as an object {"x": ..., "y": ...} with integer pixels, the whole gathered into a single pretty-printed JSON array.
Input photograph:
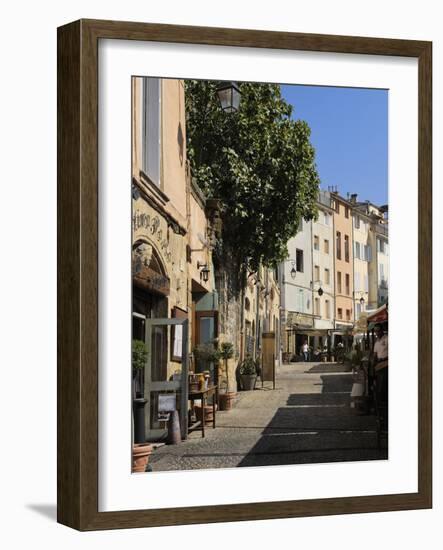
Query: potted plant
[
  {"x": 140, "y": 449},
  {"x": 226, "y": 398},
  {"x": 248, "y": 373},
  {"x": 140, "y": 456},
  {"x": 205, "y": 355}
]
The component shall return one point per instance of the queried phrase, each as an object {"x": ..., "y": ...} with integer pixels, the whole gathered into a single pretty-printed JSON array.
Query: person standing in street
[
  {"x": 381, "y": 364},
  {"x": 305, "y": 350}
]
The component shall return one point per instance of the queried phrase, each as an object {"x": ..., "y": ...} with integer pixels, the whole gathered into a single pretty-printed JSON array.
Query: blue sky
[{"x": 349, "y": 130}]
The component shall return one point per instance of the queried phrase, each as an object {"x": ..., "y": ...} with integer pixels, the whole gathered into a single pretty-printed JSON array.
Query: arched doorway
[{"x": 150, "y": 291}]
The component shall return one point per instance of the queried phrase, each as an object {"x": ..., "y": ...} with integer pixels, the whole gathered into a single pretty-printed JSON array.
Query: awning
[{"x": 380, "y": 315}]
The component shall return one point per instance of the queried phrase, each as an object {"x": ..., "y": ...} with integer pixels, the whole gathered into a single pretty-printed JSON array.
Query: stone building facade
[{"x": 172, "y": 233}]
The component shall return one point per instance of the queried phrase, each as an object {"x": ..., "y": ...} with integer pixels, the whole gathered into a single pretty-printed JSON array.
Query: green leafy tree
[{"x": 259, "y": 162}]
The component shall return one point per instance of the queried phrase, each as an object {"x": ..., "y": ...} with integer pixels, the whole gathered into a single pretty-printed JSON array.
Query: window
[
  {"x": 317, "y": 306},
  {"x": 340, "y": 313},
  {"x": 151, "y": 133},
  {"x": 348, "y": 315},
  {"x": 334, "y": 205},
  {"x": 382, "y": 272},
  {"x": 357, "y": 281},
  {"x": 299, "y": 260},
  {"x": 347, "y": 248},
  {"x": 316, "y": 273},
  {"x": 346, "y": 211},
  {"x": 381, "y": 246},
  {"x": 327, "y": 277},
  {"x": 299, "y": 301},
  {"x": 357, "y": 250},
  {"x": 356, "y": 222},
  {"x": 316, "y": 242},
  {"x": 327, "y": 309},
  {"x": 367, "y": 253},
  {"x": 327, "y": 218},
  {"x": 326, "y": 246},
  {"x": 338, "y": 245},
  {"x": 348, "y": 285},
  {"x": 339, "y": 282}
]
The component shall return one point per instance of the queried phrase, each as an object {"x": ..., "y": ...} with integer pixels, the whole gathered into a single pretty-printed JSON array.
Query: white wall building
[
  {"x": 296, "y": 289},
  {"x": 323, "y": 269},
  {"x": 363, "y": 256}
]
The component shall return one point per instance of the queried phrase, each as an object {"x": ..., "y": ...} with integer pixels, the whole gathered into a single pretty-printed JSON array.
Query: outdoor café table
[{"x": 203, "y": 396}]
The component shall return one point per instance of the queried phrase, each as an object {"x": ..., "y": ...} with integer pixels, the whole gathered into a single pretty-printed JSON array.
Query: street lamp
[
  {"x": 229, "y": 96},
  {"x": 320, "y": 291},
  {"x": 362, "y": 301}
]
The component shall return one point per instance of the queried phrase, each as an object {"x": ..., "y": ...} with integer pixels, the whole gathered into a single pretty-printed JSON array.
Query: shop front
[{"x": 159, "y": 318}]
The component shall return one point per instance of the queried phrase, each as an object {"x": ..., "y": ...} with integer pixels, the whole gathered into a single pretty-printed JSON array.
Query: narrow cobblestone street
[{"x": 306, "y": 419}]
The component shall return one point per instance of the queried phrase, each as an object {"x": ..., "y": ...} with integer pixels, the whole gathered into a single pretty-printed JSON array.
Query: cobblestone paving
[{"x": 306, "y": 419}]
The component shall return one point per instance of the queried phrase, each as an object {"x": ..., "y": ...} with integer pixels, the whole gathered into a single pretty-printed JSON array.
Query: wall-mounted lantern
[{"x": 204, "y": 271}]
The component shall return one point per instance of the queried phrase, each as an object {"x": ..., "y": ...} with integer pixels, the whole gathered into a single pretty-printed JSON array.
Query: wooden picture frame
[{"x": 78, "y": 274}]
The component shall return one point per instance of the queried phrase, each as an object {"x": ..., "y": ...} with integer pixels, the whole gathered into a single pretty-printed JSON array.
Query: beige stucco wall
[
  {"x": 168, "y": 217},
  {"x": 173, "y": 152},
  {"x": 324, "y": 261},
  {"x": 173, "y": 144},
  {"x": 362, "y": 235},
  {"x": 343, "y": 300},
  {"x": 198, "y": 241}
]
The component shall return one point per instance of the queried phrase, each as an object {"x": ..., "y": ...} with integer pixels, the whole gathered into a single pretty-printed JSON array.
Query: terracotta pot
[
  {"x": 209, "y": 417},
  {"x": 226, "y": 400},
  {"x": 140, "y": 456}
]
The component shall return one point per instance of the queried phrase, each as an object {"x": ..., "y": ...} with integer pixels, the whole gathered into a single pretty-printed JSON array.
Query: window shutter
[{"x": 152, "y": 134}]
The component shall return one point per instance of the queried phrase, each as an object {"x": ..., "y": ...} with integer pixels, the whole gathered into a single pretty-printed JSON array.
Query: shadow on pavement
[
  {"x": 318, "y": 427},
  {"x": 329, "y": 368}
]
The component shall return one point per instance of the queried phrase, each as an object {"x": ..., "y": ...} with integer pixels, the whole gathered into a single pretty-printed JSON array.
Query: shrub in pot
[
  {"x": 139, "y": 356},
  {"x": 226, "y": 398},
  {"x": 141, "y": 450},
  {"x": 248, "y": 373}
]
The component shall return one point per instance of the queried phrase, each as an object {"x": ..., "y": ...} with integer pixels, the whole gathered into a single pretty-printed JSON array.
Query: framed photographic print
[{"x": 236, "y": 210}]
